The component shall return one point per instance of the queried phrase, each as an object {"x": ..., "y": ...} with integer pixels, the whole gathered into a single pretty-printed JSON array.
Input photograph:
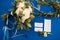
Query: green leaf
[
  {"x": 4, "y": 16},
  {"x": 32, "y": 16},
  {"x": 21, "y": 14},
  {"x": 15, "y": 22},
  {"x": 18, "y": 0},
  {"x": 13, "y": 4},
  {"x": 21, "y": 26},
  {"x": 10, "y": 9},
  {"x": 29, "y": 25},
  {"x": 27, "y": 5},
  {"x": 29, "y": 20}
]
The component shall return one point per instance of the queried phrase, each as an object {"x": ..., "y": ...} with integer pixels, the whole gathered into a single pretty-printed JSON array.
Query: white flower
[
  {"x": 30, "y": 9},
  {"x": 26, "y": 13},
  {"x": 21, "y": 4},
  {"x": 19, "y": 10}
]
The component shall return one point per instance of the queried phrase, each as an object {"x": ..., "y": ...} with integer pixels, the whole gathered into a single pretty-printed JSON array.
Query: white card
[
  {"x": 47, "y": 25},
  {"x": 38, "y": 29},
  {"x": 38, "y": 24}
]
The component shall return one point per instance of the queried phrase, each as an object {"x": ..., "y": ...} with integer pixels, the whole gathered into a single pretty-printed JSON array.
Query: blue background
[{"x": 5, "y": 5}]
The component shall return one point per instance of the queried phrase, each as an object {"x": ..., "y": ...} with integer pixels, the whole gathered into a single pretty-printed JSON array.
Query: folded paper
[
  {"x": 38, "y": 24},
  {"x": 38, "y": 29},
  {"x": 47, "y": 25}
]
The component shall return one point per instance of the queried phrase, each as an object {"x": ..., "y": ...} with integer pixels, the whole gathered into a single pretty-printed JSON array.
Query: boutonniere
[{"x": 23, "y": 14}]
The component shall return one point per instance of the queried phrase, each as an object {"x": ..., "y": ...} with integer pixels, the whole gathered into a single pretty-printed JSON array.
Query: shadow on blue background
[{"x": 6, "y": 4}]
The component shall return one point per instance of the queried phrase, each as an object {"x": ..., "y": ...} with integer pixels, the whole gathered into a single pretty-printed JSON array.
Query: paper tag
[
  {"x": 38, "y": 24},
  {"x": 38, "y": 29},
  {"x": 47, "y": 25}
]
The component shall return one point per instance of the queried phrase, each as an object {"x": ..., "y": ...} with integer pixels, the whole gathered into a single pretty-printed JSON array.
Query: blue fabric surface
[{"x": 5, "y": 5}]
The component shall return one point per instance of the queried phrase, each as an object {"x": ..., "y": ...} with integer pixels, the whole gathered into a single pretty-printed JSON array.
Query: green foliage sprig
[{"x": 55, "y": 5}]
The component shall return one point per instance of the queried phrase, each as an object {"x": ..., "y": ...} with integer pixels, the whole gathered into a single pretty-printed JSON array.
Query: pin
[{"x": 45, "y": 34}]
